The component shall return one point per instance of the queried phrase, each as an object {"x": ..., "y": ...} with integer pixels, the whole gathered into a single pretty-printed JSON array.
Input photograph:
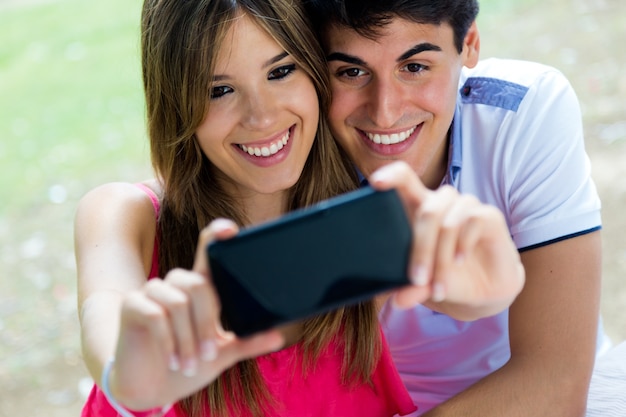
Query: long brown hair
[{"x": 180, "y": 41}]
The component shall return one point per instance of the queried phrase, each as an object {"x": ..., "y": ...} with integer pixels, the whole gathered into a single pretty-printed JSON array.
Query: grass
[{"x": 71, "y": 104}]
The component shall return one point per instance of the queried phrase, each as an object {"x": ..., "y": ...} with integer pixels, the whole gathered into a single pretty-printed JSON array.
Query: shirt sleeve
[{"x": 550, "y": 194}]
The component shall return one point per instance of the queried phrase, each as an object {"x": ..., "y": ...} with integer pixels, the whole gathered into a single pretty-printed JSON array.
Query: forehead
[
  {"x": 245, "y": 40},
  {"x": 399, "y": 33}
]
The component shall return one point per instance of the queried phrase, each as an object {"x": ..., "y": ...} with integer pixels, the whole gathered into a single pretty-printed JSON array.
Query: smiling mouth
[
  {"x": 390, "y": 139},
  {"x": 268, "y": 150}
]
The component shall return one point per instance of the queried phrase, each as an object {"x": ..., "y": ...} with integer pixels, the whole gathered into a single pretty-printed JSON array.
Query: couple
[{"x": 238, "y": 94}]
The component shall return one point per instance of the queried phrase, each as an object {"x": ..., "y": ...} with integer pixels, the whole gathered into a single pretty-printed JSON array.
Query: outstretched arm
[
  {"x": 113, "y": 239},
  {"x": 165, "y": 335},
  {"x": 553, "y": 325}
]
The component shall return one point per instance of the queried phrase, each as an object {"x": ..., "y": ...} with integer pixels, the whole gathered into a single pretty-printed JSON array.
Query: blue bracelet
[{"x": 113, "y": 402}]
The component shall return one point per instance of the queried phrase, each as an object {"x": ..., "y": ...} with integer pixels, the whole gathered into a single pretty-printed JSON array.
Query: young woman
[{"x": 234, "y": 92}]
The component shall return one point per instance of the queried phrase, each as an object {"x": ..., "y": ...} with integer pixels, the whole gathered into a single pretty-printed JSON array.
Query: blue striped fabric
[{"x": 607, "y": 393}]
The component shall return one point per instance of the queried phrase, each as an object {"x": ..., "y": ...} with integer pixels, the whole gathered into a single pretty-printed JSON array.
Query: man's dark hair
[{"x": 368, "y": 17}]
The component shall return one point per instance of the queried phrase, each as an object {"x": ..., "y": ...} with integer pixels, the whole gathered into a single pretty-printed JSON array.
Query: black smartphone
[{"x": 337, "y": 252}]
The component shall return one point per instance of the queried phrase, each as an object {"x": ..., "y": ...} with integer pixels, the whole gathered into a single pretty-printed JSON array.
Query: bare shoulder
[
  {"x": 114, "y": 234},
  {"x": 116, "y": 198},
  {"x": 116, "y": 211}
]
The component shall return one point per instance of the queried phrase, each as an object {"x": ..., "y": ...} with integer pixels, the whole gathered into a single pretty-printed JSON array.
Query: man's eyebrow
[
  {"x": 273, "y": 60},
  {"x": 339, "y": 56},
  {"x": 350, "y": 59},
  {"x": 420, "y": 47}
]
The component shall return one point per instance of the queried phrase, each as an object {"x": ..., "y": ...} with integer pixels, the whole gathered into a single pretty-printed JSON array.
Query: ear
[{"x": 471, "y": 47}]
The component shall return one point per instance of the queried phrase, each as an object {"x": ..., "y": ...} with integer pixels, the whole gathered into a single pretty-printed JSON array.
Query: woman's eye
[
  {"x": 281, "y": 72},
  {"x": 220, "y": 91}
]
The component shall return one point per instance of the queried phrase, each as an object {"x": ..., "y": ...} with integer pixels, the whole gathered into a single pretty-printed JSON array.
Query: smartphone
[{"x": 337, "y": 252}]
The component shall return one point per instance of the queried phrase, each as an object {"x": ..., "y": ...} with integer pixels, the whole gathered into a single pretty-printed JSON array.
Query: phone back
[{"x": 337, "y": 252}]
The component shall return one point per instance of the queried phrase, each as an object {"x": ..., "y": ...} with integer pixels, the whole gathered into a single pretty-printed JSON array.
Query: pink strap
[
  {"x": 153, "y": 197},
  {"x": 154, "y": 270}
]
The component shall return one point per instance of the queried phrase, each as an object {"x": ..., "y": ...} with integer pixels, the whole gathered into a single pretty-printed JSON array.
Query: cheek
[
  {"x": 341, "y": 107},
  {"x": 307, "y": 105},
  {"x": 211, "y": 134},
  {"x": 439, "y": 99},
  {"x": 337, "y": 107}
]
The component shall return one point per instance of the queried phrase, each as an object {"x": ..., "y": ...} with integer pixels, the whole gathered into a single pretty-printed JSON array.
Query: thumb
[{"x": 218, "y": 229}]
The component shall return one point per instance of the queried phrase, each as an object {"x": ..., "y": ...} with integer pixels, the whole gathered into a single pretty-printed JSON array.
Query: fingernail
[
  {"x": 420, "y": 276},
  {"x": 220, "y": 224},
  {"x": 208, "y": 350},
  {"x": 174, "y": 363},
  {"x": 379, "y": 175},
  {"x": 190, "y": 368},
  {"x": 439, "y": 292}
]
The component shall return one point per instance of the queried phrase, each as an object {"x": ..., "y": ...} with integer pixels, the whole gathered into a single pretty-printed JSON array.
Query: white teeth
[
  {"x": 390, "y": 139},
  {"x": 266, "y": 151}
]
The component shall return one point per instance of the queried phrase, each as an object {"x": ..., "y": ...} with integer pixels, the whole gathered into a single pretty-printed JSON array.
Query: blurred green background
[{"x": 71, "y": 117}]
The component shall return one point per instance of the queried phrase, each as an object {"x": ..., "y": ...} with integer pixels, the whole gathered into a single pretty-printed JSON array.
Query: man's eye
[
  {"x": 281, "y": 72},
  {"x": 220, "y": 91},
  {"x": 415, "y": 67},
  {"x": 351, "y": 73}
]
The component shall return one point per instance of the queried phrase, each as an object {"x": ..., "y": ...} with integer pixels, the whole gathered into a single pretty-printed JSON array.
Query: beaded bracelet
[{"x": 106, "y": 389}]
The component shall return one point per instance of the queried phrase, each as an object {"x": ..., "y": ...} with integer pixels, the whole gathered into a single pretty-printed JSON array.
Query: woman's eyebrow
[{"x": 273, "y": 60}]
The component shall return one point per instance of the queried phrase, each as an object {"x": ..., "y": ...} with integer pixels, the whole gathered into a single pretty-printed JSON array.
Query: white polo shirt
[{"x": 516, "y": 143}]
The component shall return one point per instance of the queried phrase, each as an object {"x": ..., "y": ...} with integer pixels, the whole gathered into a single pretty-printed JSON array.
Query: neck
[
  {"x": 260, "y": 208},
  {"x": 435, "y": 173}
]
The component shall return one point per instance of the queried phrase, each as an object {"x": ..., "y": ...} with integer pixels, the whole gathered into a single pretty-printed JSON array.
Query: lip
[
  {"x": 403, "y": 138},
  {"x": 269, "y": 151}
]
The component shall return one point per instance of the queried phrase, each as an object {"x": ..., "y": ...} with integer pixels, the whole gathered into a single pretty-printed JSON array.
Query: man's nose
[{"x": 385, "y": 107}]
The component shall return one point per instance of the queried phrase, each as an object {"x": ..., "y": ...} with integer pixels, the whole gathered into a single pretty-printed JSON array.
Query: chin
[{"x": 277, "y": 187}]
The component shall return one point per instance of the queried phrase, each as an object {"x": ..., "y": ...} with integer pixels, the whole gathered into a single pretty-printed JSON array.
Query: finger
[
  {"x": 426, "y": 235},
  {"x": 218, "y": 229},
  {"x": 206, "y": 304},
  {"x": 483, "y": 222},
  {"x": 410, "y": 296},
  {"x": 204, "y": 309},
  {"x": 141, "y": 316},
  {"x": 250, "y": 347},
  {"x": 177, "y": 305},
  {"x": 456, "y": 219},
  {"x": 400, "y": 176}
]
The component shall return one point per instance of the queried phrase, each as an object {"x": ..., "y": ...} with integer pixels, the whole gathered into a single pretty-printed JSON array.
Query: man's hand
[{"x": 464, "y": 262}]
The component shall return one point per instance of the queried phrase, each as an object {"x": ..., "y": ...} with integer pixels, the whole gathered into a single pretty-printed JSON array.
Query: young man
[{"x": 408, "y": 85}]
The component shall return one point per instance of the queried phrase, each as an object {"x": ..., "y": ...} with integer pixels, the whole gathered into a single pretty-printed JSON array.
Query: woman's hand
[
  {"x": 464, "y": 262},
  {"x": 171, "y": 342}
]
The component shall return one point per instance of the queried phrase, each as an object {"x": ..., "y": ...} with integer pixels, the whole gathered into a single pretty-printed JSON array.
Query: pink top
[{"x": 319, "y": 393}]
